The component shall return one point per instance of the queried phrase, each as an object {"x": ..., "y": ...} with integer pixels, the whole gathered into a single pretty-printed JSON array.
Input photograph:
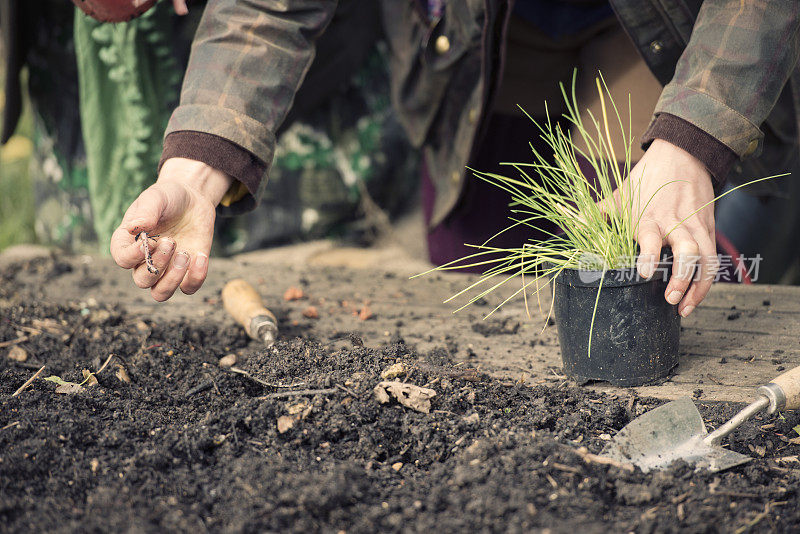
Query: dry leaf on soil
[
  {"x": 411, "y": 396},
  {"x": 69, "y": 388},
  {"x": 122, "y": 374},
  {"x": 88, "y": 378},
  {"x": 51, "y": 326}
]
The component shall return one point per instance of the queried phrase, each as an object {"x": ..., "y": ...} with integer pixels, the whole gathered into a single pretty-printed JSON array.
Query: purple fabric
[
  {"x": 483, "y": 209},
  {"x": 435, "y": 9}
]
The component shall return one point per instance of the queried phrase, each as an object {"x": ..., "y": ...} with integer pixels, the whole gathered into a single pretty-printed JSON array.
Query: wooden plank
[{"x": 750, "y": 344}]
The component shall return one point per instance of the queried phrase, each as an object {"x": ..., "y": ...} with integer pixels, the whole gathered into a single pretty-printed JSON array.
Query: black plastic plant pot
[{"x": 636, "y": 331}]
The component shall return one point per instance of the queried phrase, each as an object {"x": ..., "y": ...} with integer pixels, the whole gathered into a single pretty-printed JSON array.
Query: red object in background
[
  {"x": 726, "y": 247},
  {"x": 114, "y": 10}
]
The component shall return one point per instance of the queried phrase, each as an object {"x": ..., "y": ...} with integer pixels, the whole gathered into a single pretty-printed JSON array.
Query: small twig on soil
[
  {"x": 631, "y": 404},
  {"x": 432, "y": 382},
  {"x": 410, "y": 372},
  {"x": 264, "y": 382},
  {"x": 753, "y": 522},
  {"x": 29, "y": 381},
  {"x": 27, "y": 365},
  {"x": 469, "y": 374},
  {"x": 780, "y": 469},
  {"x": 105, "y": 364},
  {"x": 200, "y": 387},
  {"x": 680, "y": 498},
  {"x": 235, "y": 435},
  {"x": 556, "y": 376},
  {"x": 567, "y": 468},
  {"x": 35, "y": 331},
  {"x": 9, "y": 425},
  {"x": 737, "y": 494},
  {"x": 285, "y": 394},
  {"x": 590, "y": 458},
  {"x": 649, "y": 514},
  {"x": 348, "y": 391},
  {"x": 4, "y": 344}
]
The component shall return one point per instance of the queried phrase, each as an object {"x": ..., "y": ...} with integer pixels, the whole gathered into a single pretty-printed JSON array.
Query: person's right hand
[
  {"x": 180, "y": 209},
  {"x": 672, "y": 197}
]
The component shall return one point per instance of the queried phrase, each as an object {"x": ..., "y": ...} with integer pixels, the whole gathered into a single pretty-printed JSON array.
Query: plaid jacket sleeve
[
  {"x": 739, "y": 57},
  {"x": 248, "y": 59}
]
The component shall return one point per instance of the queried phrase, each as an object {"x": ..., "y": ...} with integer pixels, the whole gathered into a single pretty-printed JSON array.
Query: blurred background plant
[{"x": 16, "y": 188}]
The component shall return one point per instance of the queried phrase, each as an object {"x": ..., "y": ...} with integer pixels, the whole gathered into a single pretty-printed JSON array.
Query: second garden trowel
[{"x": 676, "y": 431}]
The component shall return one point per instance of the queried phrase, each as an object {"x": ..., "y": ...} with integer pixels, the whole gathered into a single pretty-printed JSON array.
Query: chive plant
[{"x": 553, "y": 187}]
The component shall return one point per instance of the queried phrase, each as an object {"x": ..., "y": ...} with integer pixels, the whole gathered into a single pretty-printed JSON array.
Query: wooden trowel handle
[
  {"x": 244, "y": 304},
  {"x": 789, "y": 382}
]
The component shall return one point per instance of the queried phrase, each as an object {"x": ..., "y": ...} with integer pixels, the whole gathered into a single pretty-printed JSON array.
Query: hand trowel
[{"x": 675, "y": 431}]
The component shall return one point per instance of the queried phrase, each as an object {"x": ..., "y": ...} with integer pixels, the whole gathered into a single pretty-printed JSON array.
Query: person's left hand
[{"x": 693, "y": 241}]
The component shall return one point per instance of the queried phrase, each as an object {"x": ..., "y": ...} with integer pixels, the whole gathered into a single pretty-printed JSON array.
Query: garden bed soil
[{"x": 187, "y": 445}]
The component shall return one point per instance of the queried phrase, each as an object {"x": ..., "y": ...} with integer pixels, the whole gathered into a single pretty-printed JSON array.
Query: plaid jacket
[{"x": 725, "y": 65}]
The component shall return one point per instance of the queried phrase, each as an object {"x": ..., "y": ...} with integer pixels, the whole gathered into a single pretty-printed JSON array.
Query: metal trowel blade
[{"x": 671, "y": 432}]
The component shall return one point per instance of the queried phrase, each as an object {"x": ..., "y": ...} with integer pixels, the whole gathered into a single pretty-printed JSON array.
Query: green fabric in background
[
  {"x": 101, "y": 95},
  {"x": 128, "y": 83}
]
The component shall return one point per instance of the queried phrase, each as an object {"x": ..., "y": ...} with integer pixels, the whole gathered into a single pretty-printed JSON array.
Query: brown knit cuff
[
  {"x": 717, "y": 157},
  {"x": 217, "y": 152}
]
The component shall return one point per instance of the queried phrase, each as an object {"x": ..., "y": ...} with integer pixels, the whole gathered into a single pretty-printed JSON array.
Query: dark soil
[
  {"x": 189, "y": 446},
  {"x": 495, "y": 327}
]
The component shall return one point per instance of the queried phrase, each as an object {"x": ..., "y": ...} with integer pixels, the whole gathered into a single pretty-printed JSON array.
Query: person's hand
[
  {"x": 693, "y": 241},
  {"x": 180, "y": 209}
]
